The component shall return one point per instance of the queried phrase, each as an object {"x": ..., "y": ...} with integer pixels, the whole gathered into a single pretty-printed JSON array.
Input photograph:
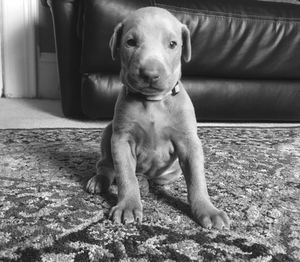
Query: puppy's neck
[{"x": 173, "y": 92}]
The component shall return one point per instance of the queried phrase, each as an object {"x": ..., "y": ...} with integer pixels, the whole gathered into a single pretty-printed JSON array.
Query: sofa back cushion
[{"x": 231, "y": 39}]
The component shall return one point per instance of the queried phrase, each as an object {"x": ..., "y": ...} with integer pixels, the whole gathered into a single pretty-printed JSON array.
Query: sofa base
[{"x": 213, "y": 99}]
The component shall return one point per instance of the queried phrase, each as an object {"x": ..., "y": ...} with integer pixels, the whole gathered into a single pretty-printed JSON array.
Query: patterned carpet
[{"x": 45, "y": 214}]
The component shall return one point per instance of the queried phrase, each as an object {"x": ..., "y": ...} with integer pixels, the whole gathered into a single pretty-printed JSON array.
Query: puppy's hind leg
[
  {"x": 101, "y": 182},
  {"x": 105, "y": 175}
]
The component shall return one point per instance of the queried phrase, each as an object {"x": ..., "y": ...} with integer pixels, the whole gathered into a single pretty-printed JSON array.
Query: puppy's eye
[
  {"x": 131, "y": 42},
  {"x": 172, "y": 44}
]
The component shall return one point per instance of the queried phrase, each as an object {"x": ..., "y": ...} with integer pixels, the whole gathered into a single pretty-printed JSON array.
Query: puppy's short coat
[{"x": 154, "y": 131}]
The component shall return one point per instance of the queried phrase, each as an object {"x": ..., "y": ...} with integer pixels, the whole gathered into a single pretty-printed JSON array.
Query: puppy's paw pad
[
  {"x": 127, "y": 215},
  {"x": 94, "y": 185},
  {"x": 212, "y": 218},
  {"x": 205, "y": 222}
]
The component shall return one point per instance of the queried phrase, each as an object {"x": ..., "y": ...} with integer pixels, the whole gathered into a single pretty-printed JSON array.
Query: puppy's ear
[
  {"x": 115, "y": 40},
  {"x": 186, "y": 40}
]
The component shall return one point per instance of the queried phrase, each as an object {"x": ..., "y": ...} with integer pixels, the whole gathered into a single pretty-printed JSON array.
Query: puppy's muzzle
[{"x": 151, "y": 71}]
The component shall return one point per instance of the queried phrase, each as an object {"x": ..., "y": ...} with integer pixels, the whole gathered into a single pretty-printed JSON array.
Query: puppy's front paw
[
  {"x": 127, "y": 211},
  {"x": 208, "y": 216}
]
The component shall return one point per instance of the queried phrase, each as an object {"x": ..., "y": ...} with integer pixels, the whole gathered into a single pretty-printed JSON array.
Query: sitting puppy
[{"x": 154, "y": 130}]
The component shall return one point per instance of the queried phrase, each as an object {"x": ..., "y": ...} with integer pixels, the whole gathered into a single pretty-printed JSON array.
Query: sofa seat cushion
[{"x": 230, "y": 38}]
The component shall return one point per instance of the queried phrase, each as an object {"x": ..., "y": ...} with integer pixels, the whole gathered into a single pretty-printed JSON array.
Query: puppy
[{"x": 154, "y": 130}]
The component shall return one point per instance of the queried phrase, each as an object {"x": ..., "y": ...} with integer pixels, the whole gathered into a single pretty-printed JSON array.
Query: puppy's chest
[{"x": 153, "y": 147}]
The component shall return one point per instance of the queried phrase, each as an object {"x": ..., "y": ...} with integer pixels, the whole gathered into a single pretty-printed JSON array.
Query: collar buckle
[{"x": 175, "y": 90}]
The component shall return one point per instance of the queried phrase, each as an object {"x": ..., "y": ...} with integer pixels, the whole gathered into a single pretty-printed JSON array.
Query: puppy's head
[{"x": 151, "y": 42}]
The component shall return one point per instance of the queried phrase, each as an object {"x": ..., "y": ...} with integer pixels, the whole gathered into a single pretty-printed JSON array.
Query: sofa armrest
[{"x": 68, "y": 47}]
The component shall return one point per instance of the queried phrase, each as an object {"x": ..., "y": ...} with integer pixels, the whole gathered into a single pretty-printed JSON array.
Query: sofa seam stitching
[{"x": 229, "y": 15}]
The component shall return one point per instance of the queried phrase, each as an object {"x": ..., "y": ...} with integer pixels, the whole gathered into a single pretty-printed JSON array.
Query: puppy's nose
[
  {"x": 149, "y": 74},
  {"x": 151, "y": 71}
]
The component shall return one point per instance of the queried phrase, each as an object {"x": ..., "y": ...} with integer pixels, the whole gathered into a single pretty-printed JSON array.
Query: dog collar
[{"x": 174, "y": 91}]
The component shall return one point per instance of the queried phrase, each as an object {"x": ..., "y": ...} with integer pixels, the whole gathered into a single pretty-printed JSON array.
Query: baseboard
[{"x": 48, "y": 83}]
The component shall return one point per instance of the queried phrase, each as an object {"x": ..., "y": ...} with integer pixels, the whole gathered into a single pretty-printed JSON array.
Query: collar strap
[{"x": 175, "y": 90}]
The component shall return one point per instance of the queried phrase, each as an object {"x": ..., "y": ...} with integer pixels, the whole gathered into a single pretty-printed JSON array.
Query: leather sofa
[{"x": 245, "y": 57}]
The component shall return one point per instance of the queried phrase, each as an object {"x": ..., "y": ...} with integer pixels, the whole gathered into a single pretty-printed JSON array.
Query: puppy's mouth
[
  {"x": 146, "y": 91},
  {"x": 145, "y": 88}
]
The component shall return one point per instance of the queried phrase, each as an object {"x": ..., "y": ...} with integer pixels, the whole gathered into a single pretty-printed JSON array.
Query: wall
[{"x": 48, "y": 84}]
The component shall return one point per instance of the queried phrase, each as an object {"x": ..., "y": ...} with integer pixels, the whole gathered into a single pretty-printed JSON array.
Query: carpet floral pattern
[{"x": 45, "y": 214}]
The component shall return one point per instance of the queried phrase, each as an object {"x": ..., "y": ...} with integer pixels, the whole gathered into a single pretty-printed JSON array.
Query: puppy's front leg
[
  {"x": 129, "y": 206},
  {"x": 192, "y": 163}
]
